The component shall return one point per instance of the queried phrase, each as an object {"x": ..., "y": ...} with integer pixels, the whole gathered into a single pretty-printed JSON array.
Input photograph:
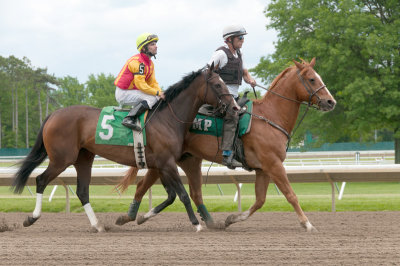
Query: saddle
[{"x": 209, "y": 111}]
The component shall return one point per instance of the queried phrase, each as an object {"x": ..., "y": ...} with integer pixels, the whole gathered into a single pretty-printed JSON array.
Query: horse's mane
[
  {"x": 174, "y": 90},
  {"x": 275, "y": 81},
  {"x": 283, "y": 73}
]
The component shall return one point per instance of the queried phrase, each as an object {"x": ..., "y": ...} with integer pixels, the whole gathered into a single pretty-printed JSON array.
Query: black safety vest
[{"x": 232, "y": 72}]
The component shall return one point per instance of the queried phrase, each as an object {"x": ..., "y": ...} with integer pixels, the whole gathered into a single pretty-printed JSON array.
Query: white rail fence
[{"x": 221, "y": 175}]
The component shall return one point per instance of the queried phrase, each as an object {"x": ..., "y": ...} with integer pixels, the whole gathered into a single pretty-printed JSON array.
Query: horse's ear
[
  {"x": 216, "y": 68},
  {"x": 312, "y": 63},
  {"x": 298, "y": 65},
  {"x": 211, "y": 68}
]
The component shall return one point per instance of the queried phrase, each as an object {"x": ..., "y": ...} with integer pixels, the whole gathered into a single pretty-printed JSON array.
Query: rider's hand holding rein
[
  {"x": 248, "y": 79},
  {"x": 162, "y": 95}
]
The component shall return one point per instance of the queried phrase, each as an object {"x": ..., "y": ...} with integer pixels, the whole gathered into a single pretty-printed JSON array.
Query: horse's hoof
[
  {"x": 312, "y": 230},
  {"x": 199, "y": 228},
  {"x": 100, "y": 228},
  {"x": 230, "y": 220},
  {"x": 309, "y": 227},
  {"x": 29, "y": 221},
  {"x": 141, "y": 219},
  {"x": 216, "y": 225},
  {"x": 123, "y": 219}
]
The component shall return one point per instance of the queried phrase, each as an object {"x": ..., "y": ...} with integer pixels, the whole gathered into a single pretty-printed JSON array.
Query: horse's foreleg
[
  {"x": 83, "y": 166},
  {"x": 42, "y": 181},
  {"x": 261, "y": 188},
  {"x": 170, "y": 179},
  {"x": 184, "y": 197},
  {"x": 156, "y": 210},
  {"x": 141, "y": 188},
  {"x": 278, "y": 175},
  {"x": 192, "y": 167}
]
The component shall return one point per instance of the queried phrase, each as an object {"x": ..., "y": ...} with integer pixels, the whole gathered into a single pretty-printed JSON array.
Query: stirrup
[
  {"x": 230, "y": 162},
  {"x": 130, "y": 123}
]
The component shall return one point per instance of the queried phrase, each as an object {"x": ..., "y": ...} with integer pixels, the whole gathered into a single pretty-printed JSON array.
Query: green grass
[{"x": 312, "y": 197}]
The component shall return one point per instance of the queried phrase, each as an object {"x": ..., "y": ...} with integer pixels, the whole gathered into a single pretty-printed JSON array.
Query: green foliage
[
  {"x": 71, "y": 92},
  {"x": 357, "y": 46},
  {"x": 29, "y": 94},
  {"x": 101, "y": 89}
]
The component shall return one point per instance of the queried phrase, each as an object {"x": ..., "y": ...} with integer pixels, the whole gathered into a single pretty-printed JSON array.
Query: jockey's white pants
[{"x": 133, "y": 97}]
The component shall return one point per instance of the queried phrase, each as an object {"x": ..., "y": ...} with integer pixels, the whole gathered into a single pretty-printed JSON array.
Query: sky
[{"x": 81, "y": 37}]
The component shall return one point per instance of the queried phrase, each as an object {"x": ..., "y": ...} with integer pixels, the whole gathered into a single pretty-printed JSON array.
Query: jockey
[
  {"x": 231, "y": 70},
  {"x": 136, "y": 84}
]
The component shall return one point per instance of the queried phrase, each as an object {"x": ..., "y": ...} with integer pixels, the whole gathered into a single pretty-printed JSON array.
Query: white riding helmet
[{"x": 233, "y": 30}]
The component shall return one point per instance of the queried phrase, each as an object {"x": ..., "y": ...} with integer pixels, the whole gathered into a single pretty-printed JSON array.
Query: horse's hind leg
[
  {"x": 141, "y": 188},
  {"x": 42, "y": 180},
  {"x": 83, "y": 166},
  {"x": 261, "y": 187}
]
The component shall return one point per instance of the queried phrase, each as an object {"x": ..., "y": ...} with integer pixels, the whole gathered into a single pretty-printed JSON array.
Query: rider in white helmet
[{"x": 232, "y": 71}]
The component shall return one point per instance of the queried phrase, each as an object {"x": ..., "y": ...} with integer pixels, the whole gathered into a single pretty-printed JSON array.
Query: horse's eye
[
  {"x": 218, "y": 86},
  {"x": 312, "y": 80}
]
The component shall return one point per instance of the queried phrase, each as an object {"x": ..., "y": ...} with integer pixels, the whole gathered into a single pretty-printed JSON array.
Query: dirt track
[{"x": 349, "y": 238}]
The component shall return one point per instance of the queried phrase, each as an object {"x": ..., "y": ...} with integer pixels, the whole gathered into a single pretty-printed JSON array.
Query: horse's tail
[
  {"x": 128, "y": 179},
  {"x": 37, "y": 155}
]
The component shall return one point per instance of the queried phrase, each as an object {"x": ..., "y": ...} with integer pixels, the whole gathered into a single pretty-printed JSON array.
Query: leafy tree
[
  {"x": 101, "y": 89},
  {"x": 357, "y": 46},
  {"x": 70, "y": 92},
  {"x": 23, "y": 94}
]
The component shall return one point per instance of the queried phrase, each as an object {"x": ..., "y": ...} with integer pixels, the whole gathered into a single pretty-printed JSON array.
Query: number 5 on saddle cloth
[{"x": 110, "y": 131}]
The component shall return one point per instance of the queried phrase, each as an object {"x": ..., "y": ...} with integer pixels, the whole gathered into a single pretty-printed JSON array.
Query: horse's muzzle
[
  {"x": 235, "y": 107},
  {"x": 326, "y": 104}
]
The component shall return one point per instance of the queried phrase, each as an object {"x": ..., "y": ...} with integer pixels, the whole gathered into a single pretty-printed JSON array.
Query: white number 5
[{"x": 108, "y": 127}]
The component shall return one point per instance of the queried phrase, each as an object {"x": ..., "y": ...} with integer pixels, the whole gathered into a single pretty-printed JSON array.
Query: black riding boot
[{"x": 130, "y": 120}]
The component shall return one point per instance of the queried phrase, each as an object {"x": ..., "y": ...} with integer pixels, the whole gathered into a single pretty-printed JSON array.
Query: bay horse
[
  {"x": 273, "y": 120},
  {"x": 67, "y": 137}
]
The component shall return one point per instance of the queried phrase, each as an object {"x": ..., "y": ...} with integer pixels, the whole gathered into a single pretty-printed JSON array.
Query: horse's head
[
  {"x": 311, "y": 88},
  {"x": 216, "y": 92}
]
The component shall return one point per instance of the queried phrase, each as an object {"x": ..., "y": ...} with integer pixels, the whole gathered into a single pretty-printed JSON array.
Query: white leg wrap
[
  {"x": 150, "y": 214},
  {"x": 244, "y": 215},
  {"x": 90, "y": 213},
  {"x": 199, "y": 228},
  {"x": 38, "y": 208}
]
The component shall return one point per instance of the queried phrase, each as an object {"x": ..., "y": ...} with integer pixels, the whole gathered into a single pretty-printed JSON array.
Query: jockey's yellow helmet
[{"x": 144, "y": 39}]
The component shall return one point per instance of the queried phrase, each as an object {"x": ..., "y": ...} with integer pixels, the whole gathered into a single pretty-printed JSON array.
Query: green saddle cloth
[
  {"x": 207, "y": 125},
  {"x": 110, "y": 131}
]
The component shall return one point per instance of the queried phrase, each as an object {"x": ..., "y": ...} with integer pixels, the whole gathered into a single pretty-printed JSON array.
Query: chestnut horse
[
  {"x": 273, "y": 119},
  {"x": 67, "y": 137}
]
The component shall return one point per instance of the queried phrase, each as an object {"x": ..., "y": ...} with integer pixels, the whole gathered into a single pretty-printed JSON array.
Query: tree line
[{"x": 28, "y": 94}]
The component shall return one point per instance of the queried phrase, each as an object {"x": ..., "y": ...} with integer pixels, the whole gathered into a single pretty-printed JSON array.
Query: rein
[
  {"x": 309, "y": 104},
  {"x": 221, "y": 107}
]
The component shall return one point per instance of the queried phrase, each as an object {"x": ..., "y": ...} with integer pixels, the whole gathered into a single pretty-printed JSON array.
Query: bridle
[
  {"x": 221, "y": 106},
  {"x": 308, "y": 88},
  {"x": 309, "y": 104}
]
